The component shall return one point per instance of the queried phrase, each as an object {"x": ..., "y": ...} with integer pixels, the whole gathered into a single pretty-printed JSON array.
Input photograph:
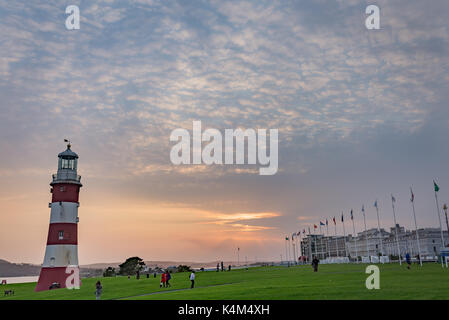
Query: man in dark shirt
[{"x": 315, "y": 262}]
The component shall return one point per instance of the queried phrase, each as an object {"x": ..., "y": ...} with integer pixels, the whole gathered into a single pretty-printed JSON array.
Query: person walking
[
  {"x": 218, "y": 267},
  {"x": 315, "y": 262},
  {"x": 98, "y": 290},
  {"x": 167, "y": 279},
  {"x": 408, "y": 260},
  {"x": 163, "y": 279},
  {"x": 222, "y": 268},
  {"x": 192, "y": 279}
]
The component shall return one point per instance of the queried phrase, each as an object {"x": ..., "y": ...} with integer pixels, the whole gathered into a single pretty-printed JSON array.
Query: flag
[
  {"x": 322, "y": 224},
  {"x": 413, "y": 196},
  {"x": 286, "y": 238},
  {"x": 352, "y": 218},
  {"x": 326, "y": 222},
  {"x": 375, "y": 204},
  {"x": 437, "y": 188},
  {"x": 393, "y": 199},
  {"x": 334, "y": 221},
  {"x": 303, "y": 231},
  {"x": 314, "y": 226},
  {"x": 298, "y": 233},
  {"x": 342, "y": 219}
]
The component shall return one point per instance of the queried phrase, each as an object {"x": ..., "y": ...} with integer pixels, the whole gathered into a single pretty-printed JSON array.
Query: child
[
  {"x": 167, "y": 278},
  {"x": 98, "y": 290},
  {"x": 162, "y": 280}
]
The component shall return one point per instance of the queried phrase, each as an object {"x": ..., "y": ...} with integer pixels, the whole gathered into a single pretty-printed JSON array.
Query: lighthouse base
[{"x": 58, "y": 277}]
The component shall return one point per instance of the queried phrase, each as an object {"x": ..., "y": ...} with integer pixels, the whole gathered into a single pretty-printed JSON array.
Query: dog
[{"x": 9, "y": 292}]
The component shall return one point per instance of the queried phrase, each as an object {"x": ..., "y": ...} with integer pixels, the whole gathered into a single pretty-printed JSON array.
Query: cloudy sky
[{"x": 361, "y": 114}]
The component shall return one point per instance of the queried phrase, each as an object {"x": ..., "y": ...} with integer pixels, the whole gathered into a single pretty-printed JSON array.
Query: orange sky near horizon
[{"x": 113, "y": 227}]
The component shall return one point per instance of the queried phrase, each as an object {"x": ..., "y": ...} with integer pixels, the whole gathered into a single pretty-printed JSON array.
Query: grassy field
[{"x": 266, "y": 283}]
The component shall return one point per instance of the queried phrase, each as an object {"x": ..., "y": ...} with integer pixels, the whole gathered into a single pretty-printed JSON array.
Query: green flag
[
  {"x": 286, "y": 238},
  {"x": 437, "y": 188}
]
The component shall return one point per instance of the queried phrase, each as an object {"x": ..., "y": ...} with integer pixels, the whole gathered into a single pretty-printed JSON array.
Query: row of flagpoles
[{"x": 393, "y": 200}]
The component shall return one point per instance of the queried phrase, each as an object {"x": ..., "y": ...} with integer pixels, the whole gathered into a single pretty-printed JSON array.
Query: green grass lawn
[{"x": 267, "y": 283}]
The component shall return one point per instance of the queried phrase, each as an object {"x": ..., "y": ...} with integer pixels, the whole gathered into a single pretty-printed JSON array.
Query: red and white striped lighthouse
[{"x": 62, "y": 241}]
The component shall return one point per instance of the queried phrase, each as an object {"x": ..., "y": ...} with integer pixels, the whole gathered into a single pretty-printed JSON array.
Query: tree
[
  {"x": 109, "y": 272},
  {"x": 131, "y": 266},
  {"x": 184, "y": 268}
]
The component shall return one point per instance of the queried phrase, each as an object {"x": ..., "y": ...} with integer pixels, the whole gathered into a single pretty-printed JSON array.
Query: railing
[{"x": 66, "y": 176}]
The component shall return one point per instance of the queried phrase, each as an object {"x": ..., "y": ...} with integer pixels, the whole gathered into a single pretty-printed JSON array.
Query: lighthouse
[{"x": 61, "y": 254}]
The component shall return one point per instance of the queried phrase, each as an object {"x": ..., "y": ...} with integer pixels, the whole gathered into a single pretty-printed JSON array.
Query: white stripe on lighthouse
[
  {"x": 64, "y": 212},
  {"x": 61, "y": 255}
]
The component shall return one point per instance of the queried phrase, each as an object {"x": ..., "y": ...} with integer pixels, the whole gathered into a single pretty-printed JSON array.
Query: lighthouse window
[
  {"x": 61, "y": 235},
  {"x": 68, "y": 164}
]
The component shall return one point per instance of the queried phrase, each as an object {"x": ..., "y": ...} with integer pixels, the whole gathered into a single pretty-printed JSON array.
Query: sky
[{"x": 362, "y": 114}]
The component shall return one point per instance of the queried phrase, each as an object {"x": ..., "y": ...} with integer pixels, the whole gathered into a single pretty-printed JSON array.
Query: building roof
[{"x": 68, "y": 154}]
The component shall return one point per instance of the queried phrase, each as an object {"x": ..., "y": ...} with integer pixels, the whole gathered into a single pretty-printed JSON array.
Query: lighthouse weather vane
[{"x": 69, "y": 144}]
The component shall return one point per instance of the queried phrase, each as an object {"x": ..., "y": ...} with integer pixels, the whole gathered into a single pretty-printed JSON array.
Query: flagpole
[
  {"x": 416, "y": 227},
  {"x": 344, "y": 233},
  {"x": 297, "y": 246},
  {"x": 286, "y": 250},
  {"x": 396, "y": 228},
  {"x": 378, "y": 228},
  {"x": 336, "y": 239},
  {"x": 366, "y": 233},
  {"x": 439, "y": 218},
  {"x": 294, "y": 254},
  {"x": 289, "y": 252},
  {"x": 310, "y": 245},
  {"x": 327, "y": 236},
  {"x": 321, "y": 240},
  {"x": 355, "y": 239}
]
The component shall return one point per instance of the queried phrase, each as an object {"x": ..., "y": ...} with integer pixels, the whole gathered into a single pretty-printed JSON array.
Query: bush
[
  {"x": 184, "y": 268},
  {"x": 109, "y": 272}
]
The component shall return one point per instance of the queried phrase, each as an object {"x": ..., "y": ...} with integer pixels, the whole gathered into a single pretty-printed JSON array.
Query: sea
[{"x": 10, "y": 280}]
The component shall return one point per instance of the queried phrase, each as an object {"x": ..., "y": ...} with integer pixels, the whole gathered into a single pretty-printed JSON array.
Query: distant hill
[
  {"x": 162, "y": 264},
  {"x": 9, "y": 269}
]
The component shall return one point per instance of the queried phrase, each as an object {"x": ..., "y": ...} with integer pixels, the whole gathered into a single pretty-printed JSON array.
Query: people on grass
[
  {"x": 98, "y": 290},
  {"x": 315, "y": 263},
  {"x": 167, "y": 279},
  {"x": 192, "y": 279},
  {"x": 408, "y": 260},
  {"x": 163, "y": 279}
]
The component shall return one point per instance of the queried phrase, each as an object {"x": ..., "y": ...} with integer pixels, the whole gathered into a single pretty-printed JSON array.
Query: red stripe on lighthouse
[
  {"x": 48, "y": 276},
  {"x": 62, "y": 233},
  {"x": 66, "y": 192}
]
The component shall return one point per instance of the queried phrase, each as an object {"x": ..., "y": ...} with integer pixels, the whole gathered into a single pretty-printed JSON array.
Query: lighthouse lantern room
[{"x": 61, "y": 254}]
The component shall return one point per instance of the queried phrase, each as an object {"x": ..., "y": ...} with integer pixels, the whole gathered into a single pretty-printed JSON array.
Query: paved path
[{"x": 174, "y": 290}]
